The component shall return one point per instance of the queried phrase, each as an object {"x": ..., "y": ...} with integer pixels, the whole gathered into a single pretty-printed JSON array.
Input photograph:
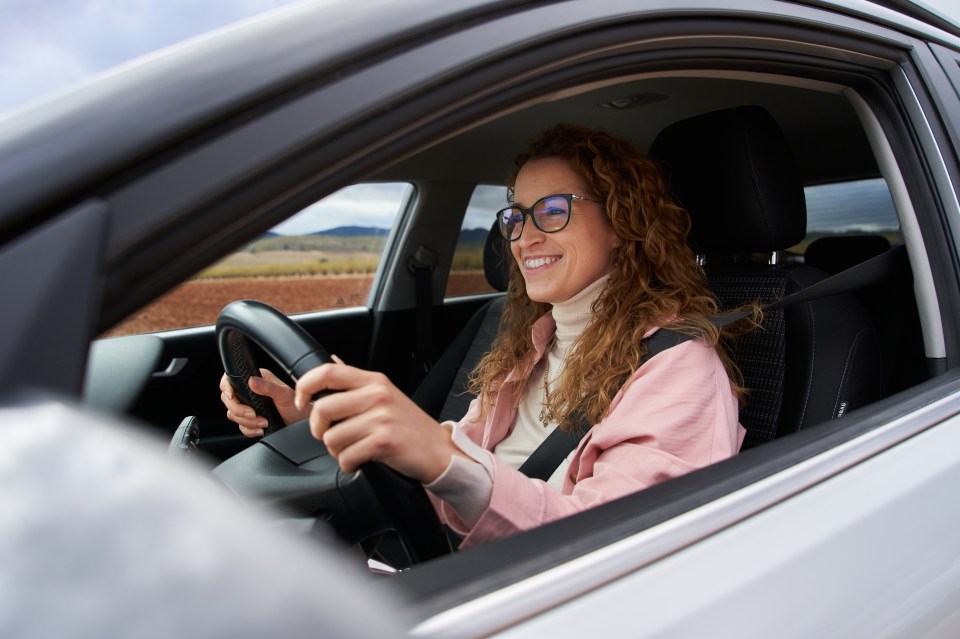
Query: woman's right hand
[{"x": 268, "y": 385}]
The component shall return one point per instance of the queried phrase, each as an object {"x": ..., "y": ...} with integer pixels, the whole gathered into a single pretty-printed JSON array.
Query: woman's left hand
[{"x": 370, "y": 419}]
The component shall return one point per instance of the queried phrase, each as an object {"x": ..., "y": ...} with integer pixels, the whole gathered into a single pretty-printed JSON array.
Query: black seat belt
[
  {"x": 554, "y": 449},
  {"x": 560, "y": 443},
  {"x": 422, "y": 265}
]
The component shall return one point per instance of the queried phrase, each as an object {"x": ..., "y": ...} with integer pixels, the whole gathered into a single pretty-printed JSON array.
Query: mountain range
[{"x": 467, "y": 236}]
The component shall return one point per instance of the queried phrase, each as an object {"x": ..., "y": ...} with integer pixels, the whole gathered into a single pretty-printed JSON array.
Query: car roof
[{"x": 232, "y": 73}]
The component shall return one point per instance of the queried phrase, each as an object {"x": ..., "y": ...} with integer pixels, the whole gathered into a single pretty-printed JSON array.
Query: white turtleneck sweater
[{"x": 467, "y": 486}]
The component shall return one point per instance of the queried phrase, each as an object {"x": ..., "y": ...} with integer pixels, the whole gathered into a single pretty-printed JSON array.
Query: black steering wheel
[{"x": 290, "y": 469}]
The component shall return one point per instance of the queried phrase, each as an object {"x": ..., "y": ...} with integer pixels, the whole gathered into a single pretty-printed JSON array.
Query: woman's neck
[{"x": 572, "y": 315}]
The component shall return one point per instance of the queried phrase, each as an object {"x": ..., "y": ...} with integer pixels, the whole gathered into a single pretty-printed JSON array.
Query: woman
[{"x": 600, "y": 262}]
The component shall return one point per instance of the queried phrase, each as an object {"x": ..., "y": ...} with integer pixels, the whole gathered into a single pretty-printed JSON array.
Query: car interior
[{"x": 744, "y": 153}]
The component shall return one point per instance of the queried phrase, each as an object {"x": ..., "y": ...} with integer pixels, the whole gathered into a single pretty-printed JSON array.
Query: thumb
[{"x": 268, "y": 385}]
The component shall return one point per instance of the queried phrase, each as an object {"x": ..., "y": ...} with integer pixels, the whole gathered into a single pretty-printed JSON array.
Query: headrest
[
  {"x": 496, "y": 259},
  {"x": 734, "y": 173}
]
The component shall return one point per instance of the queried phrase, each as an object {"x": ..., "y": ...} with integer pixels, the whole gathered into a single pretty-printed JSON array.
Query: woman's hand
[
  {"x": 251, "y": 424},
  {"x": 372, "y": 420}
]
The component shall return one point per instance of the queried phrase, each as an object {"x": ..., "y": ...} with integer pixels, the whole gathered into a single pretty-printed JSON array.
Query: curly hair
[{"x": 654, "y": 280}]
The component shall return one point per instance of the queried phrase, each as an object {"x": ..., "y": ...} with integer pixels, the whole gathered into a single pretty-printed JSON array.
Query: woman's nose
[{"x": 529, "y": 234}]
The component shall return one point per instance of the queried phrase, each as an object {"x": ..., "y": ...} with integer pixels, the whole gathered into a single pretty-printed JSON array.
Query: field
[
  {"x": 296, "y": 274},
  {"x": 197, "y": 302}
]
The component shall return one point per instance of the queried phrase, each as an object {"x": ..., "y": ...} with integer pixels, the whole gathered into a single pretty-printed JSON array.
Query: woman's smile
[{"x": 539, "y": 263}]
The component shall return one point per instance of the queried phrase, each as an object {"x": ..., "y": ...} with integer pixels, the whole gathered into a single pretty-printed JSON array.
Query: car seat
[
  {"x": 890, "y": 304},
  {"x": 808, "y": 363}
]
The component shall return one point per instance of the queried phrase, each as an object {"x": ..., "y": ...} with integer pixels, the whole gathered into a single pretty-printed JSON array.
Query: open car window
[
  {"x": 857, "y": 207},
  {"x": 466, "y": 271},
  {"x": 324, "y": 257}
]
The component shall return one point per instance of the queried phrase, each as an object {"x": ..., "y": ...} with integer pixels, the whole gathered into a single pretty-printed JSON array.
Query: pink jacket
[{"x": 676, "y": 413}]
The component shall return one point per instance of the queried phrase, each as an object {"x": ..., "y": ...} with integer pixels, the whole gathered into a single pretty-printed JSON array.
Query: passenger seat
[{"x": 735, "y": 174}]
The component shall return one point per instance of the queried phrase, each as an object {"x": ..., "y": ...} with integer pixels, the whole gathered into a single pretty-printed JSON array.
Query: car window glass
[
  {"x": 858, "y": 207},
  {"x": 323, "y": 257},
  {"x": 466, "y": 272}
]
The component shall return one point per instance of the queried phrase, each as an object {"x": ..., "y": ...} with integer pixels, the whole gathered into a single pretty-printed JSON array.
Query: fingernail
[
  {"x": 298, "y": 401},
  {"x": 262, "y": 423}
]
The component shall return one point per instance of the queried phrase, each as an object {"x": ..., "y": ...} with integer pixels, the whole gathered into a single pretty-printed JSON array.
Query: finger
[
  {"x": 356, "y": 403},
  {"x": 272, "y": 387},
  {"x": 360, "y": 452},
  {"x": 252, "y": 423},
  {"x": 225, "y": 386},
  {"x": 354, "y": 442},
  {"x": 269, "y": 376},
  {"x": 330, "y": 377},
  {"x": 236, "y": 407},
  {"x": 357, "y": 441},
  {"x": 251, "y": 432},
  {"x": 261, "y": 386},
  {"x": 336, "y": 358}
]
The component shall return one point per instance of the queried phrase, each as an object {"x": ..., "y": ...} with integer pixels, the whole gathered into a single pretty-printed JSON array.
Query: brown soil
[{"x": 197, "y": 303}]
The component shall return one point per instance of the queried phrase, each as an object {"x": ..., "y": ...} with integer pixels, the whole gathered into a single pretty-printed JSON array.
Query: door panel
[{"x": 190, "y": 385}]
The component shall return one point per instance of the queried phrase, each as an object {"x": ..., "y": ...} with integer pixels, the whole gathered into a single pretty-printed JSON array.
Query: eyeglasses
[{"x": 549, "y": 214}]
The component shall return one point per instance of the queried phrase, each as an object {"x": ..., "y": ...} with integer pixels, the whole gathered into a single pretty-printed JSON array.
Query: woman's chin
[{"x": 543, "y": 297}]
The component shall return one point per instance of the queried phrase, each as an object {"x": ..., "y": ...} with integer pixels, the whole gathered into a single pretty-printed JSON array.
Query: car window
[
  {"x": 323, "y": 257},
  {"x": 858, "y": 207},
  {"x": 466, "y": 272}
]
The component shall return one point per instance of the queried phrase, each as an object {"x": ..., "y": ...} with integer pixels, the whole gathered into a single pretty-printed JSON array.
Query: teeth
[{"x": 540, "y": 261}]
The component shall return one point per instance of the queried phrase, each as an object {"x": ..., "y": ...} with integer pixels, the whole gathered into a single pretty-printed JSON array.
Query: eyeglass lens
[{"x": 550, "y": 214}]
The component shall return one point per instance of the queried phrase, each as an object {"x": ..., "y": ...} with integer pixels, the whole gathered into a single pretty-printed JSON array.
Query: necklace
[{"x": 545, "y": 416}]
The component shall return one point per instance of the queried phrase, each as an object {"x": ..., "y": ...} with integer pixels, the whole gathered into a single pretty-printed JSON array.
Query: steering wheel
[{"x": 291, "y": 469}]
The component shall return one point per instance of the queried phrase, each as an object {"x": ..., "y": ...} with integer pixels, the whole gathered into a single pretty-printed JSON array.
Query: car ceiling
[{"x": 821, "y": 126}]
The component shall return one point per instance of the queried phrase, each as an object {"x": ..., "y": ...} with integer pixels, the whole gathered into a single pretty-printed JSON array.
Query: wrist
[{"x": 444, "y": 455}]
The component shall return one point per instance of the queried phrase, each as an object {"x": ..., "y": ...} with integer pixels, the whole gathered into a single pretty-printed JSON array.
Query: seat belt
[
  {"x": 422, "y": 265},
  {"x": 864, "y": 274},
  {"x": 545, "y": 460},
  {"x": 560, "y": 443}
]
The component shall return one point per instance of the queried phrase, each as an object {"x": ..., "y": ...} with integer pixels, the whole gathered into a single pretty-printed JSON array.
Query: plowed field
[{"x": 197, "y": 303}]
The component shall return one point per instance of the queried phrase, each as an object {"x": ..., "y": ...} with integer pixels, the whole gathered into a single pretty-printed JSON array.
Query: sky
[{"x": 48, "y": 46}]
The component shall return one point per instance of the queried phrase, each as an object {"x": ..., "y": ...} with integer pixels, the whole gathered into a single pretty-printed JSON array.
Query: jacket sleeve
[{"x": 675, "y": 414}]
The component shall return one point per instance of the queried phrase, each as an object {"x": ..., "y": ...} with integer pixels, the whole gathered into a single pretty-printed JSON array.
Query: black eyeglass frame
[{"x": 528, "y": 211}]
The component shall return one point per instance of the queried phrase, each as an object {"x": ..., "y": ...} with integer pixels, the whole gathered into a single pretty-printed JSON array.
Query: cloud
[
  {"x": 48, "y": 46},
  {"x": 370, "y": 205},
  {"x": 486, "y": 201}
]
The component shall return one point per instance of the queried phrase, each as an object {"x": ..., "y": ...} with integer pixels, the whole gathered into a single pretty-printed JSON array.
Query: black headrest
[
  {"x": 734, "y": 173},
  {"x": 496, "y": 259}
]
